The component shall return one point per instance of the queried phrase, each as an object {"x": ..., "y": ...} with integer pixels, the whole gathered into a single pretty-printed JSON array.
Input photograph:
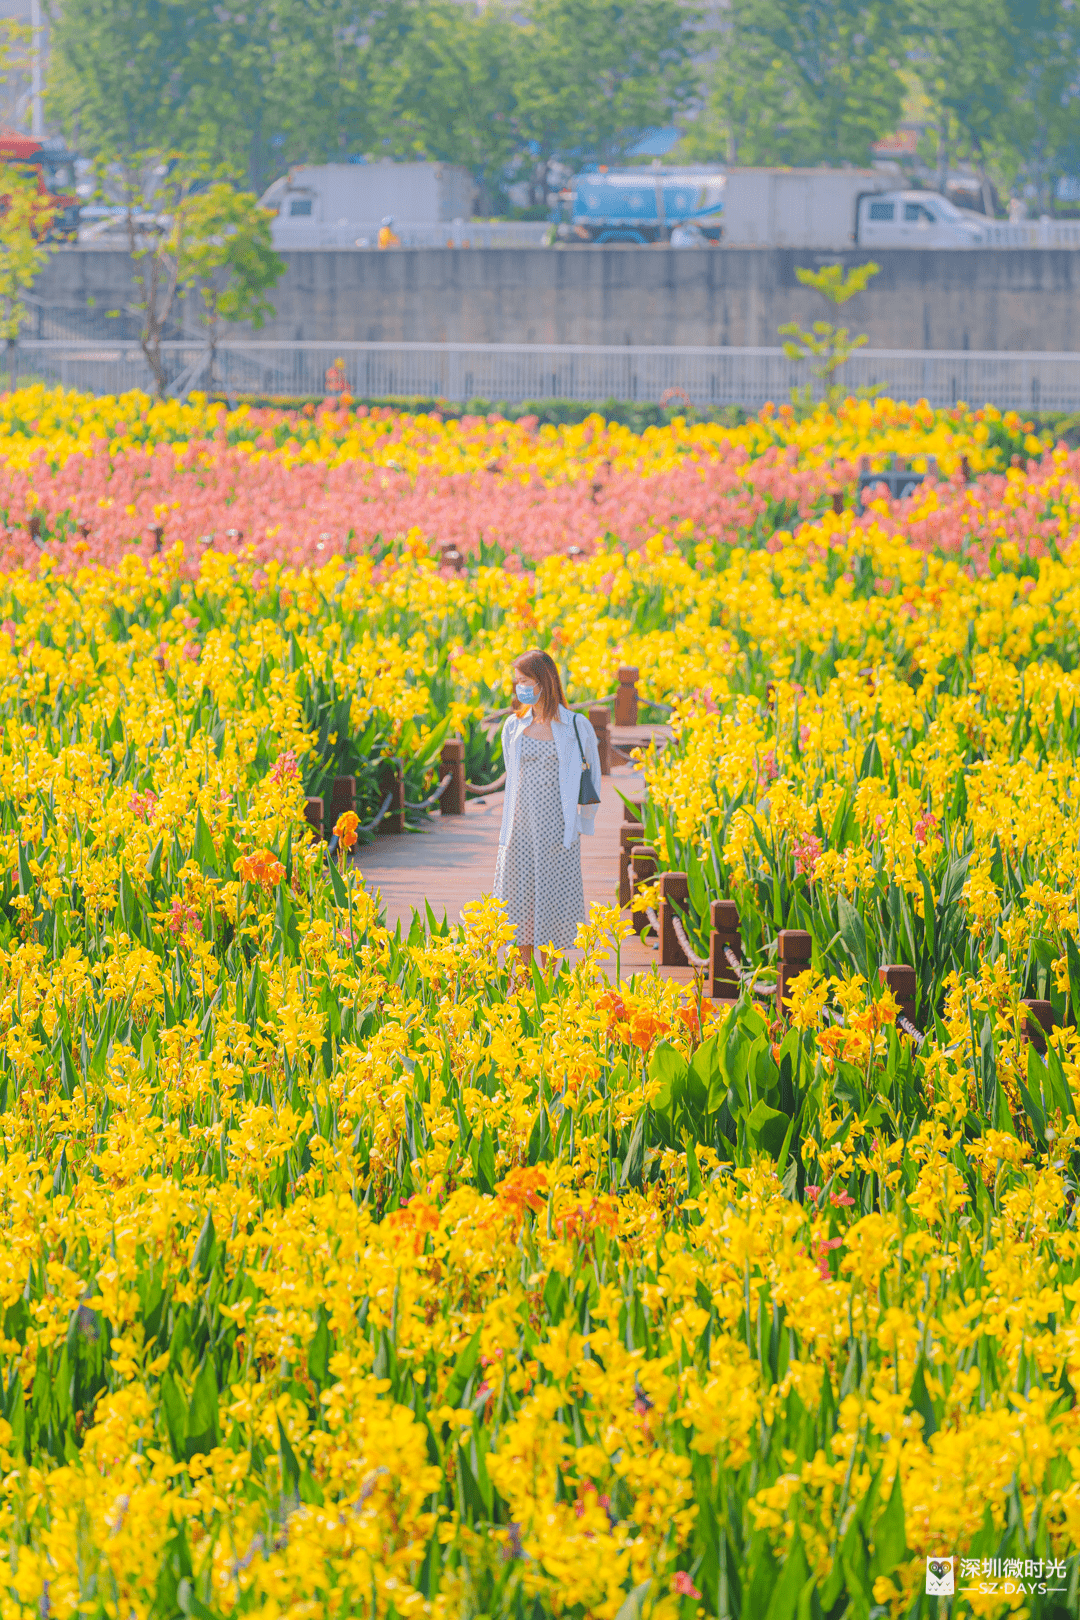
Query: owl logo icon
[{"x": 940, "y": 1577}]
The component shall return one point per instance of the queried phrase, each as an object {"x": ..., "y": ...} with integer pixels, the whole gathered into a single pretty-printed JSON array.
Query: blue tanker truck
[{"x": 642, "y": 205}]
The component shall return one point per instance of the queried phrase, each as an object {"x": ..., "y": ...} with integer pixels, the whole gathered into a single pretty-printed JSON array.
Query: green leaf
[
  {"x": 634, "y": 1162},
  {"x": 337, "y": 883},
  {"x": 176, "y": 1418},
  {"x": 919, "y": 1401},
  {"x": 1072, "y": 959},
  {"x": 202, "y": 1425},
  {"x": 203, "y": 1258},
  {"x": 767, "y": 1129},
  {"x": 485, "y": 1162},
  {"x": 290, "y": 1468},
  {"x": 320, "y": 1350},
  {"x": 204, "y": 851},
  {"x": 853, "y": 934},
  {"x": 889, "y": 1539},
  {"x": 633, "y": 1607},
  {"x": 464, "y": 1367},
  {"x": 26, "y": 877},
  {"x": 784, "y": 1603}
]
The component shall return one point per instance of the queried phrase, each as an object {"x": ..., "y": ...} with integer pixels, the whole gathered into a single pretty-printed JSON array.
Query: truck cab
[
  {"x": 919, "y": 219},
  {"x": 53, "y": 169}
]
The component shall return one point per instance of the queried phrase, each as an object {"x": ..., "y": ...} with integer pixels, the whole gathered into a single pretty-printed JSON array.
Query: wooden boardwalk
[{"x": 452, "y": 861}]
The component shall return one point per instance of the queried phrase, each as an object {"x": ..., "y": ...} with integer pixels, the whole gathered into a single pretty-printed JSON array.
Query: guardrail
[
  {"x": 519, "y": 371},
  {"x": 1030, "y": 233}
]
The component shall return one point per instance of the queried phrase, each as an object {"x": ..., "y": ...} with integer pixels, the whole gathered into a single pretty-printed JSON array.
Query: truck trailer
[{"x": 341, "y": 204}]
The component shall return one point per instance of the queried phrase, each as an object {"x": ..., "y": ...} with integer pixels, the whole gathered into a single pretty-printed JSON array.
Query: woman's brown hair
[{"x": 542, "y": 669}]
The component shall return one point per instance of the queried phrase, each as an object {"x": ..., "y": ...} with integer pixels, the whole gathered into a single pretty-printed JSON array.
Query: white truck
[
  {"x": 826, "y": 209},
  {"x": 833, "y": 209},
  {"x": 341, "y": 205}
]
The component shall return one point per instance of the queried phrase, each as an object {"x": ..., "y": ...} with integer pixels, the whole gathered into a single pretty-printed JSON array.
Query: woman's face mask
[{"x": 526, "y": 693}]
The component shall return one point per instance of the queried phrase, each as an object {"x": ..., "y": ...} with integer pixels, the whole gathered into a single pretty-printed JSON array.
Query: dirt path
[{"x": 453, "y": 861}]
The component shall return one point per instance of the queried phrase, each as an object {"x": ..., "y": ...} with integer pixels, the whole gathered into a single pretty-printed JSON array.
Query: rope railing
[
  {"x": 909, "y": 1029},
  {"x": 432, "y": 798},
  {"x": 695, "y": 961},
  {"x": 476, "y": 790},
  {"x": 764, "y": 991}
]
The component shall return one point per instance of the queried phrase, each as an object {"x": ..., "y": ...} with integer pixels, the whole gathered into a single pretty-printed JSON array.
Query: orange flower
[
  {"x": 612, "y": 1007},
  {"x": 262, "y": 868},
  {"x": 345, "y": 826},
  {"x": 645, "y": 1027},
  {"x": 522, "y": 1189}
]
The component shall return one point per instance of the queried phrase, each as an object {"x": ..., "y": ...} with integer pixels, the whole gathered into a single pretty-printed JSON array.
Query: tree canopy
[{"x": 508, "y": 86}]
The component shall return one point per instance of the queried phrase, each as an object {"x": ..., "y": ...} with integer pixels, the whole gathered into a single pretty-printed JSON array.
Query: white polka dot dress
[{"x": 536, "y": 876}]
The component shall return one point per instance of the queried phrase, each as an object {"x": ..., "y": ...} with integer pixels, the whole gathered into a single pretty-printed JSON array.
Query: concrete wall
[{"x": 1005, "y": 299}]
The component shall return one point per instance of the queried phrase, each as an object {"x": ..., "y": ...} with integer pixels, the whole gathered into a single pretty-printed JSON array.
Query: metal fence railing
[{"x": 514, "y": 372}]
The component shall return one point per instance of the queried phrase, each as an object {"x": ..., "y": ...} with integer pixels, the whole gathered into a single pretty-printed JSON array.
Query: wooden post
[
  {"x": 838, "y": 501},
  {"x": 452, "y": 762},
  {"x": 599, "y": 720},
  {"x": 723, "y": 980},
  {"x": 342, "y": 798},
  {"x": 629, "y": 835},
  {"x": 674, "y": 887},
  {"x": 632, "y": 811},
  {"x": 313, "y": 815},
  {"x": 626, "y": 698},
  {"x": 793, "y": 957},
  {"x": 392, "y": 780},
  {"x": 643, "y": 869},
  {"x": 1040, "y": 1022},
  {"x": 903, "y": 984}
]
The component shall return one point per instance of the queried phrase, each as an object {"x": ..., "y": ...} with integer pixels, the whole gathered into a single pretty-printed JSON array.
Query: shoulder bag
[{"x": 587, "y": 793}]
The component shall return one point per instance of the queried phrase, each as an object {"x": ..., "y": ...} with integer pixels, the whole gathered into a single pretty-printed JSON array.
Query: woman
[{"x": 538, "y": 867}]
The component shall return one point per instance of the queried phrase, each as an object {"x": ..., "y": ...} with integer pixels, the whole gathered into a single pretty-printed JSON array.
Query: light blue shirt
[{"x": 576, "y": 818}]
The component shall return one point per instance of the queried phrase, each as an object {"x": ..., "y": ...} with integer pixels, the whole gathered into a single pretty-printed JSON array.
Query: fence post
[
  {"x": 723, "y": 980},
  {"x": 793, "y": 957},
  {"x": 342, "y": 798},
  {"x": 643, "y": 869},
  {"x": 599, "y": 719},
  {"x": 452, "y": 762},
  {"x": 629, "y": 835},
  {"x": 633, "y": 811},
  {"x": 392, "y": 780},
  {"x": 903, "y": 983},
  {"x": 313, "y": 815},
  {"x": 1040, "y": 1022},
  {"x": 674, "y": 886},
  {"x": 626, "y": 698}
]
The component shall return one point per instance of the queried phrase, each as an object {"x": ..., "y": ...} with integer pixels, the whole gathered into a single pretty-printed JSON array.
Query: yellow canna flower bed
[{"x": 352, "y": 1273}]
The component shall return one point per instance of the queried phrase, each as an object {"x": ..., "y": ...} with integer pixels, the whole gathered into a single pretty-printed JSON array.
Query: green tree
[
  {"x": 192, "y": 231},
  {"x": 25, "y": 217},
  {"x": 1039, "y": 131},
  {"x": 591, "y": 73},
  {"x": 799, "y": 82},
  {"x": 442, "y": 83},
  {"x": 827, "y": 345},
  {"x": 132, "y": 76},
  {"x": 226, "y": 258},
  {"x": 302, "y": 80},
  {"x": 962, "y": 63}
]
